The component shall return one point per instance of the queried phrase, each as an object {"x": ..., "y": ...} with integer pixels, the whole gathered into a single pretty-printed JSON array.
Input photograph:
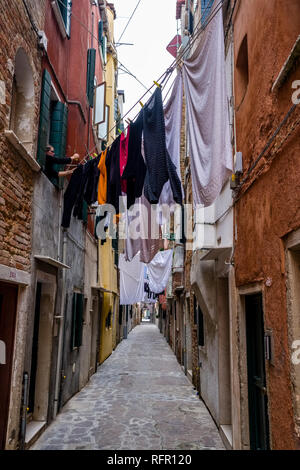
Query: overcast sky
[{"x": 151, "y": 29}]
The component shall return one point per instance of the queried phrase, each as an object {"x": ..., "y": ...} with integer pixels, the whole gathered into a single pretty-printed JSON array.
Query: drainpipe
[
  {"x": 24, "y": 410},
  {"x": 61, "y": 328}
]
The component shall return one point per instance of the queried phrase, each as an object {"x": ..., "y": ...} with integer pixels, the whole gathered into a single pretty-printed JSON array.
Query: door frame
[{"x": 12, "y": 339}]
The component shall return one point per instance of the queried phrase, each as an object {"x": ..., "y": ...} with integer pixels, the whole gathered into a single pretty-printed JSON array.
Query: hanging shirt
[
  {"x": 102, "y": 183},
  {"x": 123, "y": 157},
  {"x": 71, "y": 195},
  {"x": 131, "y": 280},
  {"x": 112, "y": 162},
  {"x": 135, "y": 170},
  {"x": 159, "y": 271},
  {"x": 160, "y": 167}
]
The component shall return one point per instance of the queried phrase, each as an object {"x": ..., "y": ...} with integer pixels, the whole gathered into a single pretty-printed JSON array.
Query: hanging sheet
[
  {"x": 207, "y": 112},
  {"x": 159, "y": 271}
]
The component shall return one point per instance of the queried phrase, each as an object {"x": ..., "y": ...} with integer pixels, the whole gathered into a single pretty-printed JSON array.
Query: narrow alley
[{"x": 138, "y": 399}]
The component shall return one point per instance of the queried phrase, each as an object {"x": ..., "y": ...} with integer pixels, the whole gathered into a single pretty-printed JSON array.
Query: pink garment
[{"x": 123, "y": 157}]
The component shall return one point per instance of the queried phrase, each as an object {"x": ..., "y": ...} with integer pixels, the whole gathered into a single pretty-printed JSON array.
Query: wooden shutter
[
  {"x": 77, "y": 321},
  {"x": 91, "y": 62},
  {"x": 73, "y": 332},
  {"x": 100, "y": 32},
  {"x": 44, "y": 119},
  {"x": 58, "y": 136}
]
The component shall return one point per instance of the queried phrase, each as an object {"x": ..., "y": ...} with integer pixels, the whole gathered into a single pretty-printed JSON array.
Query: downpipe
[
  {"x": 61, "y": 329},
  {"x": 24, "y": 410}
]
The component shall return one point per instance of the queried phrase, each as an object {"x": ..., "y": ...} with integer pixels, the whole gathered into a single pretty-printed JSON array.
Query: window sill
[
  {"x": 13, "y": 139},
  {"x": 288, "y": 66},
  {"x": 59, "y": 19}
]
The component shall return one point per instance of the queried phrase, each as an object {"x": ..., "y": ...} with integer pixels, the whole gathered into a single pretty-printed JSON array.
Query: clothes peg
[
  {"x": 141, "y": 104},
  {"x": 119, "y": 130},
  {"x": 157, "y": 84}
]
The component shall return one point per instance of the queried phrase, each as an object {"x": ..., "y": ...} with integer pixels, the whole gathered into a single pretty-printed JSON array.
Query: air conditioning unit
[{"x": 43, "y": 41}]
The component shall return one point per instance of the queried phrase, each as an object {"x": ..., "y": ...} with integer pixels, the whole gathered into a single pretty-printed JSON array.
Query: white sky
[{"x": 151, "y": 29}]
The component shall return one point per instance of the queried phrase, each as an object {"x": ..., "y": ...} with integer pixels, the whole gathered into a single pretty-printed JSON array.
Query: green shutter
[
  {"x": 100, "y": 32},
  {"x": 73, "y": 332},
  {"x": 79, "y": 319},
  {"x": 58, "y": 136},
  {"x": 91, "y": 62},
  {"x": 44, "y": 118}
]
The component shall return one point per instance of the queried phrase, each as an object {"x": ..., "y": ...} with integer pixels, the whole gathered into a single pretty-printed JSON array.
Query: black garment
[
  {"x": 90, "y": 193},
  {"x": 160, "y": 168},
  {"x": 135, "y": 169},
  {"x": 112, "y": 163},
  {"x": 70, "y": 195},
  {"x": 50, "y": 172}
]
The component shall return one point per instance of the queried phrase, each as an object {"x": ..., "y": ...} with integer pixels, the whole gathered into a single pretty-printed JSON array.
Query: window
[
  {"x": 242, "y": 72},
  {"x": 22, "y": 104},
  {"x": 206, "y": 6},
  {"x": 53, "y": 126},
  {"x": 77, "y": 320},
  {"x": 62, "y": 10}
]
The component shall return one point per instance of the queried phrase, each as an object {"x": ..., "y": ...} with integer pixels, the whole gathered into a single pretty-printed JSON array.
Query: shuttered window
[
  {"x": 58, "y": 136},
  {"x": 91, "y": 61},
  {"x": 65, "y": 7},
  {"x": 100, "y": 33},
  {"x": 206, "y": 6},
  {"x": 44, "y": 118},
  {"x": 77, "y": 320}
]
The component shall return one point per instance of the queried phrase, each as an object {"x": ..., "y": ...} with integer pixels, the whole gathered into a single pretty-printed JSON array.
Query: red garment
[{"x": 123, "y": 157}]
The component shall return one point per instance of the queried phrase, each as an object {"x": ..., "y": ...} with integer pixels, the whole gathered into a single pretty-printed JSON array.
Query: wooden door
[
  {"x": 8, "y": 306},
  {"x": 257, "y": 391}
]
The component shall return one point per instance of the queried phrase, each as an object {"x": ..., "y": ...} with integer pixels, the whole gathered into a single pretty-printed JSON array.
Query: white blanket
[{"x": 208, "y": 114}]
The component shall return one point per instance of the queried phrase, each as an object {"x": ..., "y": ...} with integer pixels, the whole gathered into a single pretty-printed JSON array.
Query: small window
[
  {"x": 65, "y": 7},
  {"x": 242, "y": 72}
]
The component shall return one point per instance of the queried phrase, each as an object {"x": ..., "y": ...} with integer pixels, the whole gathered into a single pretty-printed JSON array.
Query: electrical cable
[
  {"x": 129, "y": 20},
  {"x": 197, "y": 31}
]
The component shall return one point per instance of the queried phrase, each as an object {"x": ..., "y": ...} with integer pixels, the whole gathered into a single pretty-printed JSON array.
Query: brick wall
[{"x": 16, "y": 177}]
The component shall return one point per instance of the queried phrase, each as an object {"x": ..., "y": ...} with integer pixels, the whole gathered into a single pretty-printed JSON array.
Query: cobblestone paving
[{"x": 138, "y": 399}]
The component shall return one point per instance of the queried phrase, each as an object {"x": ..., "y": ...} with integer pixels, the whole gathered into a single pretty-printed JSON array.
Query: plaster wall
[{"x": 268, "y": 205}]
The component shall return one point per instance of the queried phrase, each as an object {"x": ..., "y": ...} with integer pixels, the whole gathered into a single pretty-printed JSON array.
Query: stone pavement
[{"x": 138, "y": 399}]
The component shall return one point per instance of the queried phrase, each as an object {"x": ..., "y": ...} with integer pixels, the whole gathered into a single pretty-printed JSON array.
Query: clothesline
[{"x": 199, "y": 28}]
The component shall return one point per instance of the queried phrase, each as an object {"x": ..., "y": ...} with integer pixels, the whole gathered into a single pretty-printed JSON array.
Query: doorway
[
  {"x": 8, "y": 307},
  {"x": 257, "y": 391}
]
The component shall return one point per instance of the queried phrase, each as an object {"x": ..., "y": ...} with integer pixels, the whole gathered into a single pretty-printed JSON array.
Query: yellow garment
[{"x": 102, "y": 185}]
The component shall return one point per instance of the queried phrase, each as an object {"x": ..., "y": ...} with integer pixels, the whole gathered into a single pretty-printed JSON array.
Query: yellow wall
[{"x": 107, "y": 270}]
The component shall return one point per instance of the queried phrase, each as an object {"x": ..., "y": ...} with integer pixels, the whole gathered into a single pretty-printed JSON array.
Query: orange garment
[{"x": 102, "y": 185}]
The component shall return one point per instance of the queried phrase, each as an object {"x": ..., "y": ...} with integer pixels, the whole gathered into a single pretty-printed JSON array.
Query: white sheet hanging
[
  {"x": 208, "y": 114},
  {"x": 131, "y": 280},
  {"x": 159, "y": 271}
]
